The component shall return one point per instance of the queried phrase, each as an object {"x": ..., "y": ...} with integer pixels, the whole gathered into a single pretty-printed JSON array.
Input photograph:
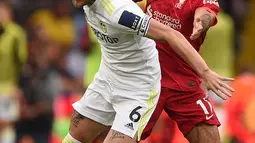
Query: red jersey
[{"x": 179, "y": 15}]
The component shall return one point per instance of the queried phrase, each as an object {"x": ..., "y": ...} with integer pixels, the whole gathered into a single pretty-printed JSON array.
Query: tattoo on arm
[
  {"x": 76, "y": 118},
  {"x": 117, "y": 135},
  {"x": 207, "y": 20}
]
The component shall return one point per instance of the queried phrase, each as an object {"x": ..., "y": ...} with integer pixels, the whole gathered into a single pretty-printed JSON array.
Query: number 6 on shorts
[{"x": 134, "y": 115}]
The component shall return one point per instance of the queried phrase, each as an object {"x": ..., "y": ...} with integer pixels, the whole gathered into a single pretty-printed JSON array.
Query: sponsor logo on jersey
[
  {"x": 214, "y": 2},
  {"x": 165, "y": 19},
  {"x": 129, "y": 20},
  {"x": 104, "y": 37},
  {"x": 103, "y": 27}
]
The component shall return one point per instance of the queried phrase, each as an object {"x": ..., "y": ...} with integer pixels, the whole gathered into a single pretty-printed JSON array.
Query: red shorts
[{"x": 186, "y": 108}]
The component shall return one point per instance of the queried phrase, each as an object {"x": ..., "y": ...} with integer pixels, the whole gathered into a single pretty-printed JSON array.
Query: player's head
[
  {"x": 81, "y": 3},
  {"x": 5, "y": 10}
]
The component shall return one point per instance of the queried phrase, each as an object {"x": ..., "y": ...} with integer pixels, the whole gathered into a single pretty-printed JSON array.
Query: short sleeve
[
  {"x": 128, "y": 17},
  {"x": 211, "y": 5}
]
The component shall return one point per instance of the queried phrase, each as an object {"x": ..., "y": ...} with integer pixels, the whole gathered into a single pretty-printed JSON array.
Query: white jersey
[{"x": 129, "y": 60}]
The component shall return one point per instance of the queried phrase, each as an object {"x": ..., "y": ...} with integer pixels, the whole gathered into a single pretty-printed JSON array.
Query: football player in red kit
[{"x": 182, "y": 96}]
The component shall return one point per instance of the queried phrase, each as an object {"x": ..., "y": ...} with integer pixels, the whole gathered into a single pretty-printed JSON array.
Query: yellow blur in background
[{"x": 142, "y": 4}]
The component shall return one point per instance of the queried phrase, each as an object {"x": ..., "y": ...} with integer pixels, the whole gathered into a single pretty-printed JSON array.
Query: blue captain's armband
[
  {"x": 129, "y": 20},
  {"x": 135, "y": 22}
]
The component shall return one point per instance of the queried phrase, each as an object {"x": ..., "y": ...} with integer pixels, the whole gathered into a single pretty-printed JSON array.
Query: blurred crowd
[{"x": 48, "y": 56}]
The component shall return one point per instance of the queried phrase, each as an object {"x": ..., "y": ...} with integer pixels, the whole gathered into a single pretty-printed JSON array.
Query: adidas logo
[{"x": 130, "y": 126}]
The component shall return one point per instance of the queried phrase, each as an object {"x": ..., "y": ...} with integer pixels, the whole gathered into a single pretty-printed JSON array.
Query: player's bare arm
[
  {"x": 158, "y": 31},
  {"x": 183, "y": 48},
  {"x": 203, "y": 20}
]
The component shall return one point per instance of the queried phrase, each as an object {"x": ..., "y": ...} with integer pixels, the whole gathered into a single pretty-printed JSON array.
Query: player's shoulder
[
  {"x": 121, "y": 4},
  {"x": 113, "y": 7},
  {"x": 113, "y": 10}
]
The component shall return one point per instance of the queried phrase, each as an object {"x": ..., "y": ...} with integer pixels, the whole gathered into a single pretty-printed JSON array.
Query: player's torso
[
  {"x": 107, "y": 35},
  {"x": 125, "y": 57},
  {"x": 179, "y": 15}
]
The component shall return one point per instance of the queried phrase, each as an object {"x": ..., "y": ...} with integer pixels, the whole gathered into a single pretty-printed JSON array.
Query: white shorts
[
  {"x": 127, "y": 111},
  {"x": 9, "y": 108}
]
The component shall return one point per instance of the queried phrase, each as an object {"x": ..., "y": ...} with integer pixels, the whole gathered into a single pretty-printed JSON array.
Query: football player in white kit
[{"x": 126, "y": 88}]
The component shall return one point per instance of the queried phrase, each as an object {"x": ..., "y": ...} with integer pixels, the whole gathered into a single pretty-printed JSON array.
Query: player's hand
[
  {"x": 218, "y": 84},
  {"x": 197, "y": 29}
]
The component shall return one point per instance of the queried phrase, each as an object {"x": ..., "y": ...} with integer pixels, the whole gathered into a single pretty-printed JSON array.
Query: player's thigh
[
  {"x": 189, "y": 109},
  {"x": 118, "y": 137},
  {"x": 204, "y": 133},
  {"x": 133, "y": 110},
  {"x": 85, "y": 129},
  {"x": 102, "y": 136},
  {"x": 92, "y": 115}
]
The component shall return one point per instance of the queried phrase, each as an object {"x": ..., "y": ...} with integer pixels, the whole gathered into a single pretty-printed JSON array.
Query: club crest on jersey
[
  {"x": 103, "y": 27},
  {"x": 179, "y": 4}
]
